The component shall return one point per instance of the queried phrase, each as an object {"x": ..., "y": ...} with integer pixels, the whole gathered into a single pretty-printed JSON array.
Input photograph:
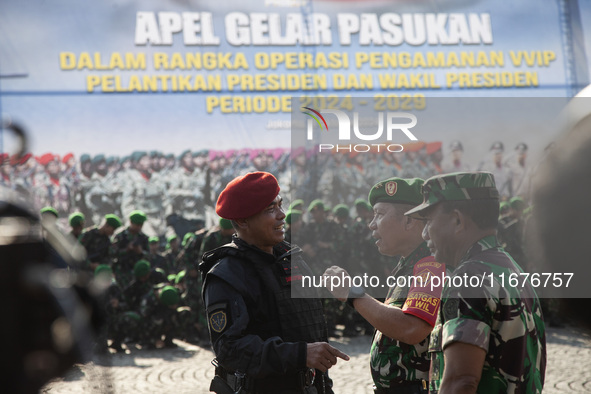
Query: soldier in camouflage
[
  {"x": 129, "y": 246},
  {"x": 399, "y": 357},
  {"x": 97, "y": 242},
  {"x": 489, "y": 338},
  {"x": 160, "y": 317}
]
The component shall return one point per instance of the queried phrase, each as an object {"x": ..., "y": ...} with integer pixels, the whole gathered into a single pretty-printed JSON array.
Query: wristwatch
[{"x": 355, "y": 292}]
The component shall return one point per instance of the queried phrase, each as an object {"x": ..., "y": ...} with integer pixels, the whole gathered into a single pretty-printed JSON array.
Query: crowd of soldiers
[{"x": 169, "y": 202}]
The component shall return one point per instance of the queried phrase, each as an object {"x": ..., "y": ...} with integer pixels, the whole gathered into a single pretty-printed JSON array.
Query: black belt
[
  {"x": 413, "y": 387},
  {"x": 299, "y": 381}
]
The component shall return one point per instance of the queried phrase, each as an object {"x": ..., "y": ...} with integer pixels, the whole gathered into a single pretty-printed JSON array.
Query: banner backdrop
[{"x": 104, "y": 82}]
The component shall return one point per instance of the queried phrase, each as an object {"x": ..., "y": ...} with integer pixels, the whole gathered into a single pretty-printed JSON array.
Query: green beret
[
  {"x": 51, "y": 210},
  {"x": 183, "y": 153},
  {"x": 84, "y": 157},
  {"x": 103, "y": 269},
  {"x": 341, "y": 211},
  {"x": 293, "y": 215},
  {"x": 316, "y": 203},
  {"x": 141, "y": 268},
  {"x": 98, "y": 158},
  {"x": 202, "y": 152},
  {"x": 457, "y": 186},
  {"x": 132, "y": 315},
  {"x": 169, "y": 295},
  {"x": 137, "y": 217},
  {"x": 123, "y": 159},
  {"x": 180, "y": 277},
  {"x": 171, "y": 278},
  {"x": 76, "y": 219},
  {"x": 503, "y": 206},
  {"x": 153, "y": 240},
  {"x": 136, "y": 156},
  {"x": 397, "y": 191},
  {"x": 517, "y": 203},
  {"x": 171, "y": 238},
  {"x": 187, "y": 238},
  {"x": 111, "y": 159},
  {"x": 225, "y": 224},
  {"x": 296, "y": 203},
  {"x": 113, "y": 220},
  {"x": 362, "y": 203}
]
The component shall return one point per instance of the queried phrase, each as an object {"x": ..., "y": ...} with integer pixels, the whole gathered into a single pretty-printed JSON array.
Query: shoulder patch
[{"x": 218, "y": 321}]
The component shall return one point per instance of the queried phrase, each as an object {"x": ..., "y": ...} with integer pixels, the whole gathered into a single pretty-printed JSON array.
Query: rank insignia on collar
[{"x": 218, "y": 321}]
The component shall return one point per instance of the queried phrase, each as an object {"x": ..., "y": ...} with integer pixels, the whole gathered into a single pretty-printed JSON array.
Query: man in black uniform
[{"x": 265, "y": 340}]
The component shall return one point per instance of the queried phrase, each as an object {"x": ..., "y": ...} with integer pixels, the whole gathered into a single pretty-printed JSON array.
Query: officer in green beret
[
  {"x": 139, "y": 286},
  {"x": 129, "y": 246},
  {"x": 399, "y": 352},
  {"x": 489, "y": 338},
  {"x": 76, "y": 221},
  {"x": 171, "y": 254},
  {"x": 97, "y": 242}
]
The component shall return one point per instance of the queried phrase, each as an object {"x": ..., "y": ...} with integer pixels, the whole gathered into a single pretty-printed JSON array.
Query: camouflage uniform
[
  {"x": 98, "y": 247},
  {"x": 505, "y": 321},
  {"x": 393, "y": 361},
  {"x": 158, "y": 320},
  {"x": 125, "y": 260}
]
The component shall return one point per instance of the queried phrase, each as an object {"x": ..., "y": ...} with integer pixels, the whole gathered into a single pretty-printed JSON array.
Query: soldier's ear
[
  {"x": 460, "y": 220},
  {"x": 242, "y": 223}
]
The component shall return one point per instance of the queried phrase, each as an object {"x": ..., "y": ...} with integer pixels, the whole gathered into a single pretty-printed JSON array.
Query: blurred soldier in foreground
[
  {"x": 488, "y": 338},
  {"x": 267, "y": 330}
]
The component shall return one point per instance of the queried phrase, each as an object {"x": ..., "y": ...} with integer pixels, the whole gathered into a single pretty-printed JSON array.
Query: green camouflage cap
[
  {"x": 341, "y": 210},
  {"x": 457, "y": 186},
  {"x": 141, "y": 268},
  {"x": 153, "y": 240},
  {"x": 169, "y": 295},
  {"x": 137, "y": 217},
  {"x": 76, "y": 219},
  {"x": 293, "y": 215},
  {"x": 51, "y": 210},
  {"x": 113, "y": 220},
  {"x": 397, "y": 191}
]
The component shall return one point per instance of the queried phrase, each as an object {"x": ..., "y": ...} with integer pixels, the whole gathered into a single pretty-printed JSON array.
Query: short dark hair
[{"x": 484, "y": 213}]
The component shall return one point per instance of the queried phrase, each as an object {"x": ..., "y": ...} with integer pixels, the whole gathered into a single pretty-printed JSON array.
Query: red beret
[
  {"x": 433, "y": 147},
  {"x": 46, "y": 159},
  {"x": 247, "y": 195},
  {"x": 67, "y": 157},
  {"x": 414, "y": 146}
]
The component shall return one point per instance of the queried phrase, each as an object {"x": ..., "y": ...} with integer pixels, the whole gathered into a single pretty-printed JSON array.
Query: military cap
[
  {"x": 67, "y": 157},
  {"x": 457, "y": 186},
  {"x": 296, "y": 203},
  {"x": 504, "y": 206},
  {"x": 293, "y": 215},
  {"x": 153, "y": 240},
  {"x": 517, "y": 203},
  {"x": 51, "y": 210},
  {"x": 137, "y": 217},
  {"x": 124, "y": 159},
  {"x": 183, "y": 153},
  {"x": 180, "y": 277},
  {"x": 171, "y": 278},
  {"x": 247, "y": 195},
  {"x": 46, "y": 159},
  {"x": 397, "y": 191},
  {"x": 521, "y": 147},
  {"x": 137, "y": 155},
  {"x": 362, "y": 202},
  {"x": 98, "y": 158},
  {"x": 154, "y": 154},
  {"x": 225, "y": 224},
  {"x": 316, "y": 204},
  {"x": 84, "y": 157},
  {"x": 113, "y": 220},
  {"x": 202, "y": 152},
  {"x": 76, "y": 219},
  {"x": 169, "y": 295},
  {"x": 456, "y": 145},
  {"x": 433, "y": 147},
  {"x": 341, "y": 211},
  {"x": 132, "y": 315},
  {"x": 141, "y": 268},
  {"x": 171, "y": 238},
  {"x": 102, "y": 269},
  {"x": 497, "y": 147}
]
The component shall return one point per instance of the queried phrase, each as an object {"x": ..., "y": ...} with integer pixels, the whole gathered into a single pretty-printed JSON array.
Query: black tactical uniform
[{"x": 258, "y": 330}]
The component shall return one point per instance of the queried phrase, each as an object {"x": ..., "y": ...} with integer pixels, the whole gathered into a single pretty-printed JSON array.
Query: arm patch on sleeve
[
  {"x": 218, "y": 318},
  {"x": 423, "y": 301}
]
